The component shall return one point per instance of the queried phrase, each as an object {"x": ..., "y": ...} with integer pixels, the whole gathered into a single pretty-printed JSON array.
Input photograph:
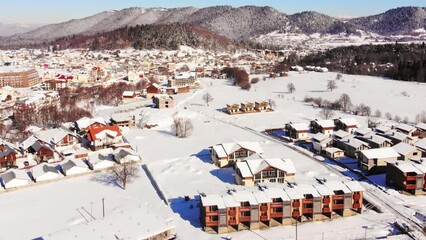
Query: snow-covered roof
[
  {"x": 52, "y": 135},
  {"x": 325, "y": 123},
  {"x": 213, "y": 200},
  {"x": 421, "y": 126},
  {"x": 421, "y": 144},
  {"x": 420, "y": 164},
  {"x": 262, "y": 197},
  {"x": 383, "y": 128},
  {"x": 354, "y": 186},
  {"x": 245, "y": 196},
  {"x": 405, "y": 127},
  {"x": 356, "y": 143},
  {"x": 337, "y": 186},
  {"x": 306, "y": 189},
  {"x": 323, "y": 190},
  {"x": 230, "y": 201},
  {"x": 333, "y": 150},
  {"x": 97, "y": 158},
  {"x": 73, "y": 163},
  {"x": 85, "y": 122},
  {"x": 14, "y": 174},
  {"x": 363, "y": 131},
  {"x": 128, "y": 93},
  {"x": 224, "y": 149},
  {"x": 300, "y": 126},
  {"x": 275, "y": 192},
  {"x": 134, "y": 223},
  {"x": 42, "y": 169},
  {"x": 293, "y": 193},
  {"x": 121, "y": 117},
  {"x": 406, "y": 167},
  {"x": 404, "y": 148},
  {"x": 376, "y": 139},
  {"x": 349, "y": 121},
  {"x": 120, "y": 153},
  {"x": 253, "y": 166},
  {"x": 319, "y": 137},
  {"x": 380, "y": 153},
  {"x": 341, "y": 134},
  {"x": 397, "y": 135}
]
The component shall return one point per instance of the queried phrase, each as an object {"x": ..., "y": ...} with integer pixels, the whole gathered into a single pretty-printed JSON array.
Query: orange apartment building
[
  {"x": 19, "y": 78},
  {"x": 409, "y": 176},
  {"x": 269, "y": 207}
]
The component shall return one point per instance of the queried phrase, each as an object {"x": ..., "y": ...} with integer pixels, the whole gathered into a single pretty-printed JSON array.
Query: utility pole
[{"x": 103, "y": 207}]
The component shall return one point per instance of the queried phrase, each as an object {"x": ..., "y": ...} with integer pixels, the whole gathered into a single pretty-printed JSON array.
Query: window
[
  {"x": 245, "y": 214},
  {"x": 415, "y": 153},
  {"x": 281, "y": 180},
  {"x": 272, "y": 180}
]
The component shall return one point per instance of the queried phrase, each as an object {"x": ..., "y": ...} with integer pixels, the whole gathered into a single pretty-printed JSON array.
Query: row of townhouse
[
  {"x": 299, "y": 131},
  {"x": 14, "y": 178},
  {"x": 272, "y": 206},
  {"x": 248, "y": 107}
]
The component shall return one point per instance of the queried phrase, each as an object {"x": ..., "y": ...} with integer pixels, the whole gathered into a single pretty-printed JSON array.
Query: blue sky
[{"x": 51, "y": 11}]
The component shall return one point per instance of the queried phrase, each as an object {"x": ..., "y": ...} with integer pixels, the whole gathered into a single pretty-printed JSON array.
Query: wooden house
[
  {"x": 325, "y": 127},
  {"x": 233, "y": 108},
  {"x": 346, "y": 124},
  {"x": 247, "y": 107},
  {"x": 104, "y": 137},
  {"x": 261, "y": 106}
]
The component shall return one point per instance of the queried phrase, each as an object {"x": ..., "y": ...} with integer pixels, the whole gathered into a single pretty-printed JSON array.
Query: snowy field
[{"x": 182, "y": 167}]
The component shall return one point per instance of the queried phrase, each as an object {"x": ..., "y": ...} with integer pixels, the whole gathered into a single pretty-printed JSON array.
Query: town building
[
  {"x": 18, "y": 78},
  {"x": 374, "y": 160},
  {"x": 227, "y": 154},
  {"x": 163, "y": 101},
  {"x": 409, "y": 176}
]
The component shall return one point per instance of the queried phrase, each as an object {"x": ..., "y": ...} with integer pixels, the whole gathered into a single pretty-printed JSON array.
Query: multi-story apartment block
[
  {"x": 268, "y": 207},
  {"x": 409, "y": 176},
  {"x": 19, "y": 78}
]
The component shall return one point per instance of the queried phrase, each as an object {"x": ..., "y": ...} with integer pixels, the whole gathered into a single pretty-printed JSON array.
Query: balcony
[
  {"x": 296, "y": 204},
  {"x": 338, "y": 197},
  {"x": 263, "y": 208},
  {"x": 357, "y": 205},
  {"x": 310, "y": 200},
  {"x": 338, "y": 206},
  {"x": 410, "y": 178},
  {"x": 276, "y": 215},
  {"x": 326, "y": 200},
  {"x": 308, "y": 211},
  {"x": 357, "y": 196},
  {"x": 410, "y": 186},
  {"x": 326, "y": 210},
  {"x": 212, "y": 223},
  {"x": 232, "y": 222},
  {"x": 244, "y": 209},
  {"x": 232, "y": 212},
  {"x": 276, "y": 205},
  {"x": 245, "y": 219},
  {"x": 209, "y": 214},
  {"x": 264, "y": 218}
]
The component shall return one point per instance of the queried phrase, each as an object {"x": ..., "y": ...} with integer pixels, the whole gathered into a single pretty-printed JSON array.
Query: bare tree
[
  {"x": 272, "y": 104},
  {"x": 397, "y": 118},
  {"x": 421, "y": 117},
  {"x": 207, "y": 98},
  {"x": 125, "y": 173},
  {"x": 378, "y": 113},
  {"x": 373, "y": 122},
  {"x": 339, "y": 77},
  {"x": 345, "y": 102},
  {"x": 405, "y": 120},
  {"x": 182, "y": 127},
  {"x": 318, "y": 101},
  {"x": 143, "y": 119},
  {"x": 326, "y": 113},
  {"x": 291, "y": 88},
  {"x": 388, "y": 116},
  {"x": 331, "y": 84}
]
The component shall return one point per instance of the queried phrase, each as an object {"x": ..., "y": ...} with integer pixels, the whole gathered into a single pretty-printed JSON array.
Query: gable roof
[
  {"x": 102, "y": 132},
  {"x": 405, "y": 127},
  {"x": 421, "y": 126},
  {"x": 42, "y": 169},
  {"x": 85, "y": 122},
  {"x": 225, "y": 149},
  {"x": 325, "y": 123},
  {"x": 73, "y": 163},
  {"x": 14, "y": 174},
  {"x": 54, "y": 135}
]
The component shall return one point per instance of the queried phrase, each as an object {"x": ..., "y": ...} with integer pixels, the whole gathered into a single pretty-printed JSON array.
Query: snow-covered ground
[{"x": 182, "y": 167}]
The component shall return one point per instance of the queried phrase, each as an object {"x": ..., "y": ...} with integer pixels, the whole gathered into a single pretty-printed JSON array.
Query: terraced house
[{"x": 274, "y": 206}]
